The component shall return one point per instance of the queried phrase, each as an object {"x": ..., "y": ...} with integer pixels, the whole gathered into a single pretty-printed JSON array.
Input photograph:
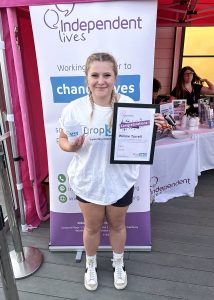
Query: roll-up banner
[{"x": 65, "y": 35}]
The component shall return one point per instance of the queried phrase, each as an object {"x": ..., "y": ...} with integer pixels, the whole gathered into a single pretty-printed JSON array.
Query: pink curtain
[{"x": 32, "y": 168}]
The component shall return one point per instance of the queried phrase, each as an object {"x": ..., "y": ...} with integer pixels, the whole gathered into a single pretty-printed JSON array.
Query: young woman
[
  {"x": 190, "y": 86},
  {"x": 103, "y": 190}
]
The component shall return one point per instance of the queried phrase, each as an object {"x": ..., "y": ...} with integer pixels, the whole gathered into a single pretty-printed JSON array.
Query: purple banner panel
[{"x": 66, "y": 229}]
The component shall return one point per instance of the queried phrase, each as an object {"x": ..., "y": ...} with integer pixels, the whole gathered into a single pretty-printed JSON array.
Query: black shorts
[{"x": 124, "y": 201}]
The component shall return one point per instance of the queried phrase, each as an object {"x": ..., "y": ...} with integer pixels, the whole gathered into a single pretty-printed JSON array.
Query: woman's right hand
[
  {"x": 69, "y": 146},
  {"x": 77, "y": 143}
]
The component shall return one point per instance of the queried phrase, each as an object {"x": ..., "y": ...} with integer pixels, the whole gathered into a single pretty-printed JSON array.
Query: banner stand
[
  {"x": 62, "y": 43},
  {"x": 79, "y": 252},
  {"x": 78, "y": 256},
  {"x": 27, "y": 260}
]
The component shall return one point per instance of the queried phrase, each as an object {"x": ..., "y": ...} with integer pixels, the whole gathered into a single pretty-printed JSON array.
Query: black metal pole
[{"x": 8, "y": 280}]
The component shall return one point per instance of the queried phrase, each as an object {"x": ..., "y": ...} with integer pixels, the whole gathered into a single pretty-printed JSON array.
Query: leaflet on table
[
  {"x": 167, "y": 109},
  {"x": 179, "y": 108},
  {"x": 133, "y": 134}
]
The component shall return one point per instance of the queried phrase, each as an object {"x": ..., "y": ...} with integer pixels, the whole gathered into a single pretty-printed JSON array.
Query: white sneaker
[
  {"x": 90, "y": 279},
  {"x": 120, "y": 275}
]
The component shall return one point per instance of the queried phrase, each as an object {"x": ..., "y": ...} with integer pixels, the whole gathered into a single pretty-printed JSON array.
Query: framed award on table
[{"x": 133, "y": 133}]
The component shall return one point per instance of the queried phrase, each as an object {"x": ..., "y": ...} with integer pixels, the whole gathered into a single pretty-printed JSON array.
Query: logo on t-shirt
[{"x": 98, "y": 133}]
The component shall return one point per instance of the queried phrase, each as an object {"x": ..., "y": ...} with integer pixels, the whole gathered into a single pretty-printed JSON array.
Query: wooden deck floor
[{"x": 180, "y": 266}]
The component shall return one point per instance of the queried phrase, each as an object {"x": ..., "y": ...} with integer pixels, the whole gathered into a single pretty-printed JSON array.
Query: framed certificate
[{"x": 133, "y": 133}]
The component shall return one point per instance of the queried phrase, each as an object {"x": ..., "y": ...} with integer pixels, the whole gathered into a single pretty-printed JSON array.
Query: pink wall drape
[{"x": 34, "y": 166}]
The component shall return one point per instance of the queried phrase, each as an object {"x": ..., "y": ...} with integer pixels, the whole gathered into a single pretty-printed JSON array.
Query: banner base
[{"x": 101, "y": 248}]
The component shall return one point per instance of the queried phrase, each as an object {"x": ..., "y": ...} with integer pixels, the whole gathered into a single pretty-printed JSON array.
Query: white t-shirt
[{"x": 90, "y": 173}]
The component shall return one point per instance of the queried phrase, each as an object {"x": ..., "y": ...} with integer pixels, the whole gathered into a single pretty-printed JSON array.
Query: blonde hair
[{"x": 103, "y": 57}]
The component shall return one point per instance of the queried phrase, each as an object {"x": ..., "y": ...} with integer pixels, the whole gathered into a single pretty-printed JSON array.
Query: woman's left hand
[{"x": 160, "y": 121}]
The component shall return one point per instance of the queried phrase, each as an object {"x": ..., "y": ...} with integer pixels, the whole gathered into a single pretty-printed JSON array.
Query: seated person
[
  {"x": 190, "y": 86},
  {"x": 169, "y": 120},
  {"x": 156, "y": 90},
  {"x": 156, "y": 98}
]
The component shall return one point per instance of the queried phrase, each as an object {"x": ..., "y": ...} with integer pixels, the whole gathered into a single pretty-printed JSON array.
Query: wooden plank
[
  {"x": 199, "y": 202},
  {"x": 171, "y": 289},
  {"x": 173, "y": 247},
  {"x": 164, "y": 48},
  {"x": 163, "y": 63},
  {"x": 165, "y": 32},
  {"x": 162, "y": 74},
  {"x": 183, "y": 211},
  {"x": 31, "y": 296},
  {"x": 134, "y": 268},
  {"x": 174, "y": 260},
  {"x": 164, "y": 43},
  {"x": 163, "y": 54},
  {"x": 184, "y": 237},
  {"x": 184, "y": 219},
  {"x": 38, "y": 232},
  {"x": 172, "y": 274},
  {"x": 31, "y": 241},
  {"x": 70, "y": 290},
  {"x": 177, "y": 227},
  {"x": 68, "y": 258}
]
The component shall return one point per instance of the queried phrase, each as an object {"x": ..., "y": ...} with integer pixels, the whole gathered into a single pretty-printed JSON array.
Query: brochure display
[
  {"x": 179, "y": 108},
  {"x": 167, "y": 109}
]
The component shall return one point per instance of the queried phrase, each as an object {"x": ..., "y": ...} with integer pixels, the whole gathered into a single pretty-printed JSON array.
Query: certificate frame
[{"x": 137, "y": 132}]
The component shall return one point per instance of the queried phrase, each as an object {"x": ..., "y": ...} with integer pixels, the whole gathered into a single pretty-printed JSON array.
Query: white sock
[
  {"x": 94, "y": 257},
  {"x": 118, "y": 255}
]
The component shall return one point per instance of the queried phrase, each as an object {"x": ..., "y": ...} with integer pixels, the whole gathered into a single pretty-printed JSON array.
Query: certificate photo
[{"x": 133, "y": 133}]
